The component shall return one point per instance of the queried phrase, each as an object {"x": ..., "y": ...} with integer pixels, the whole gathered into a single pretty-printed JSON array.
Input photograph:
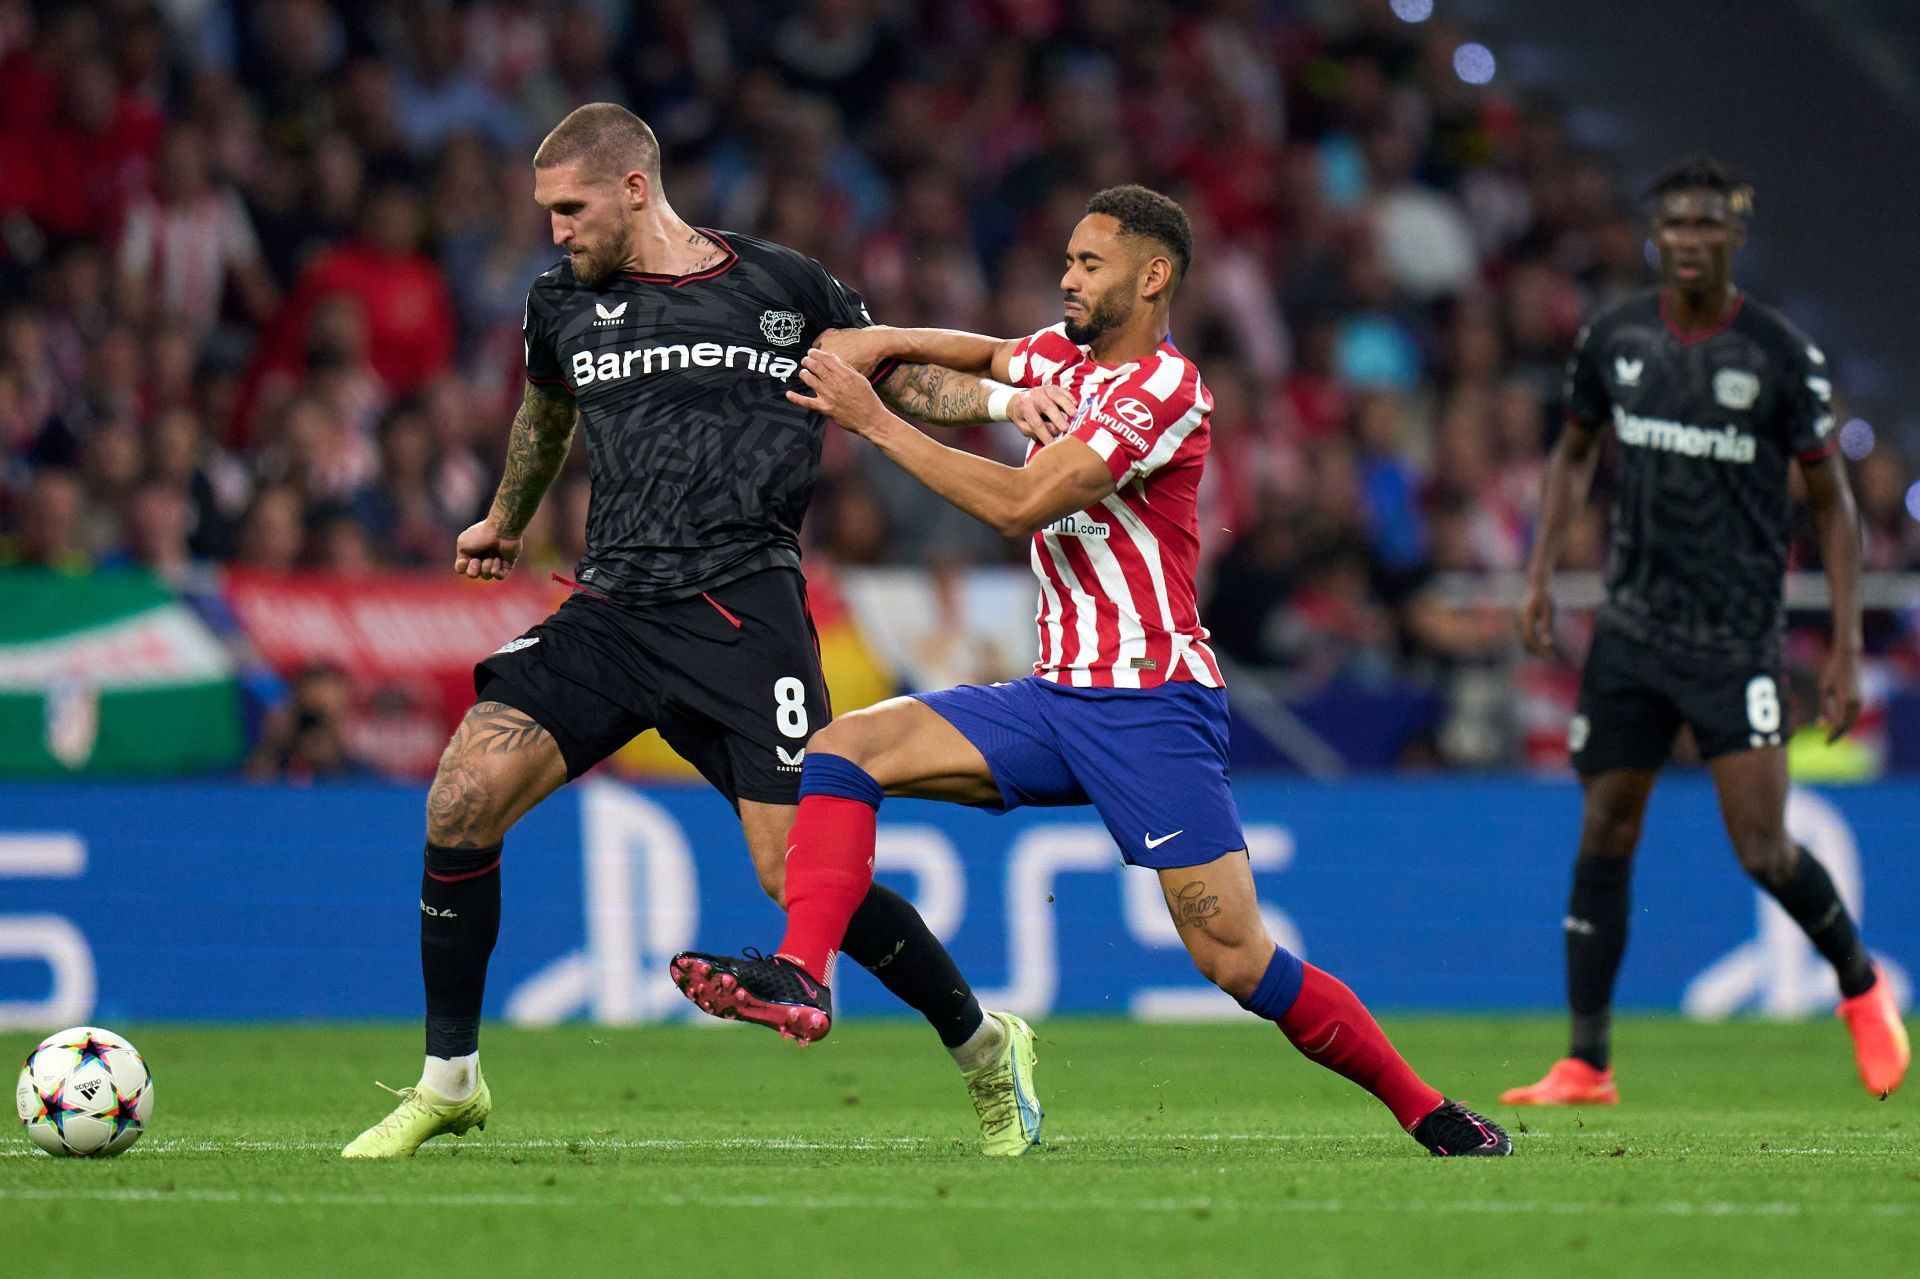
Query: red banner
[{"x": 406, "y": 642}]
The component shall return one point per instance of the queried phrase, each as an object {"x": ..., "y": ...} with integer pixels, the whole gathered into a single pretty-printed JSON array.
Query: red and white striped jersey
[{"x": 1117, "y": 594}]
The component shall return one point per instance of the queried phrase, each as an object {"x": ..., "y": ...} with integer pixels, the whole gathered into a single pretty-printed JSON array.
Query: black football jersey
[
  {"x": 1707, "y": 424},
  {"x": 700, "y": 467}
]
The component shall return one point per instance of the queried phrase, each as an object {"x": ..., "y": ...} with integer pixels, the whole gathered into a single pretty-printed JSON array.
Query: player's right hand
[
  {"x": 1535, "y": 620},
  {"x": 1044, "y": 413},
  {"x": 862, "y": 348},
  {"x": 485, "y": 553}
]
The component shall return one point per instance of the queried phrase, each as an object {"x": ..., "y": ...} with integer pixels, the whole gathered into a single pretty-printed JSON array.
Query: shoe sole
[
  {"x": 721, "y": 995},
  {"x": 1502, "y": 1150}
]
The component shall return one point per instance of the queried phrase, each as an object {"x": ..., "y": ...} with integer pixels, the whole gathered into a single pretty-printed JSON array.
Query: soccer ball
[{"x": 85, "y": 1091}]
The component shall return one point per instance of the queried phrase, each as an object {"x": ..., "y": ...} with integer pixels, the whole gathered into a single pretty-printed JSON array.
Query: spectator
[
  {"x": 182, "y": 246},
  {"x": 271, "y": 533},
  {"x": 436, "y": 96},
  {"x": 305, "y": 739},
  {"x": 178, "y": 457},
  {"x": 401, "y": 292},
  {"x": 110, "y": 471},
  {"x": 264, "y": 270},
  {"x": 399, "y": 508},
  {"x": 155, "y": 524},
  {"x": 96, "y": 156},
  {"x": 1425, "y": 243},
  {"x": 49, "y": 526}
]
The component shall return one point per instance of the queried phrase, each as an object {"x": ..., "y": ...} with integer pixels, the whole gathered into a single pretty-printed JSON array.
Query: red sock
[
  {"x": 829, "y": 870},
  {"x": 1330, "y": 1025}
]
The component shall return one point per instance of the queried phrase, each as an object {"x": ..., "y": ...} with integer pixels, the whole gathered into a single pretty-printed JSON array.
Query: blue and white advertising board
[{"x": 232, "y": 902}]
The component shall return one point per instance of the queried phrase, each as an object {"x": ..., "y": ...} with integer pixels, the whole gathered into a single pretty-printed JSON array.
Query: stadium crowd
[{"x": 264, "y": 265}]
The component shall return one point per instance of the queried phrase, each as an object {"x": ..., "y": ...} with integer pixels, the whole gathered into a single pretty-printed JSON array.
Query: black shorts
[
  {"x": 731, "y": 678},
  {"x": 1634, "y": 698}
]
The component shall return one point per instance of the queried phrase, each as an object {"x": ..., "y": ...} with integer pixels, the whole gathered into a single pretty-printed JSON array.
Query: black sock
[
  {"x": 1596, "y": 927},
  {"x": 1808, "y": 895},
  {"x": 888, "y": 938},
  {"x": 459, "y": 921}
]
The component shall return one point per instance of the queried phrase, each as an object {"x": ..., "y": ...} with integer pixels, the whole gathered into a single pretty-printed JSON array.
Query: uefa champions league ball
[{"x": 85, "y": 1092}]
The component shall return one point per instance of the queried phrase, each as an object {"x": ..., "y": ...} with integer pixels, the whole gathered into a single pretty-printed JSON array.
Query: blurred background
[{"x": 262, "y": 268}]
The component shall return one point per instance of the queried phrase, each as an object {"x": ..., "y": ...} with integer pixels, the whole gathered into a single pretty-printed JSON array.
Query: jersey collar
[
  {"x": 675, "y": 281},
  {"x": 1166, "y": 347},
  {"x": 1693, "y": 337}
]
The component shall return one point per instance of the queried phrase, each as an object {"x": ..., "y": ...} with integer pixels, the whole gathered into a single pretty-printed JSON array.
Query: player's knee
[
  {"x": 467, "y": 804},
  {"x": 848, "y": 737},
  {"x": 1765, "y": 853},
  {"x": 1234, "y": 969},
  {"x": 1609, "y": 832}
]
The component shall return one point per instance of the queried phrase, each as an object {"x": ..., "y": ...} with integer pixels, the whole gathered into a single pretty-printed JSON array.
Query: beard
[
  {"x": 594, "y": 268},
  {"x": 1109, "y": 313}
]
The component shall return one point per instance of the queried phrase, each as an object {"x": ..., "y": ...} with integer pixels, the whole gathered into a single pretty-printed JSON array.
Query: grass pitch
[{"x": 1743, "y": 1149}]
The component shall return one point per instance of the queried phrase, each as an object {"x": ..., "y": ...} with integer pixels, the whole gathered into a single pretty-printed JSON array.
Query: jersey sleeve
[
  {"x": 542, "y": 352},
  {"x": 1140, "y": 426},
  {"x": 1587, "y": 401},
  {"x": 833, "y": 304},
  {"x": 1040, "y": 357},
  {"x": 1805, "y": 411}
]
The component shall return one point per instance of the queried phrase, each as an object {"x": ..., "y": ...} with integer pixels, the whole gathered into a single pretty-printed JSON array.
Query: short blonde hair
[{"x": 605, "y": 138}]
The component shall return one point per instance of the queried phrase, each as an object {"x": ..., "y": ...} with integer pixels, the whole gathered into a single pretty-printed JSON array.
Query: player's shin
[
  {"x": 459, "y": 923},
  {"x": 1329, "y": 1025},
  {"x": 1809, "y": 896},
  {"x": 829, "y": 859},
  {"x": 1596, "y": 938},
  {"x": 888, "y": 938}
]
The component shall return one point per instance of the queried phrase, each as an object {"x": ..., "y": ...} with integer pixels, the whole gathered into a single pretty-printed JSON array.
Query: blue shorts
[{"x": 1151, "y": 761}]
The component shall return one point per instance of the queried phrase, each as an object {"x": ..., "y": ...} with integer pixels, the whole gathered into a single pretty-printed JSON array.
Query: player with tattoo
[
  {"x": 672, "y": 348},
  {"x": 1124, "y": 710}
]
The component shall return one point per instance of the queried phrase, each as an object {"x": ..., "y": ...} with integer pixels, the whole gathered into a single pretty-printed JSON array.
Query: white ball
[{"x": 85, "y": 1091}]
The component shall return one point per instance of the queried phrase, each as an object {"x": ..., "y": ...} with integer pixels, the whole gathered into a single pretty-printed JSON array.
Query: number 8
[
  {"x": 790, "y": 696},
  {"x": 1763, "y": 704}
]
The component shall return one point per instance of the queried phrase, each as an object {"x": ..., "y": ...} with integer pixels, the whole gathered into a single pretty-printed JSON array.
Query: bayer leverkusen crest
[{"x": 782, "y": 328}]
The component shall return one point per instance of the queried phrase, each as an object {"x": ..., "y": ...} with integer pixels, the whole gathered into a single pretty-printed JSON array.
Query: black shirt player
[
  {"x": 1711, "y": 397},
  {"x": 672, "y": 348}
]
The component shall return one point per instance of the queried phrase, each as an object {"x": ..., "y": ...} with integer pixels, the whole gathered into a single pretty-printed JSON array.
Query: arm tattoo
[
  {"x": 1194, "y": 905},
  {"x": 934, "y": 394},
  {"x": 542, "y": 433}
]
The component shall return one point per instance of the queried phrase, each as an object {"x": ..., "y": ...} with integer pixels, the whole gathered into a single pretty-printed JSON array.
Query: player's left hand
[
  {"x": 839, "y": 392},
  {"x": 1840, "y": 693},
  {"x": 1044, "y": 413}
]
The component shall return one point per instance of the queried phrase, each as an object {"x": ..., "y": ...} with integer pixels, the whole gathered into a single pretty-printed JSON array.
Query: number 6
[{"x": 1763, "y": 704}]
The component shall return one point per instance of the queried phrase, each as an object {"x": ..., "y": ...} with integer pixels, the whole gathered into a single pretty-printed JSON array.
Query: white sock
[
  {"x": 454, "y": 1078},
  {"x": 982, "y": 1046}
]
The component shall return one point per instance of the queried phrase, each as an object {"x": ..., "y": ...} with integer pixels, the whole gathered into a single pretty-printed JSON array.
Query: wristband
[{"x": 999, "y": 400}]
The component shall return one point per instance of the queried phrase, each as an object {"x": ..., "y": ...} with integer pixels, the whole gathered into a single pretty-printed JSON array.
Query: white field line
[
  {"x": 1052, "y": 1204},
  {"x": 482, "y": 1145}
]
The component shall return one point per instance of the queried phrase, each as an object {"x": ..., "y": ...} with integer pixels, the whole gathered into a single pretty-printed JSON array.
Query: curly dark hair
[
  {"x": 1703, "y": 173},
  {"x": 1149, "y": 215}
]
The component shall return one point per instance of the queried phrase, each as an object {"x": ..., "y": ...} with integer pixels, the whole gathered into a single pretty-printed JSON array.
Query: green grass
[{"x": 1744, "y": 1149}]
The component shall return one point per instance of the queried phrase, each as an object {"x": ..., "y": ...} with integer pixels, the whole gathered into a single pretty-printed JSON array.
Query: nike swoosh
[{"x": 1153, "y": 843}]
